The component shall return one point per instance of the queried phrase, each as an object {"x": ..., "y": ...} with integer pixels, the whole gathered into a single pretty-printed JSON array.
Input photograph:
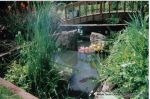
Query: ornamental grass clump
[
  {"x": 37, "y": 53},
  {"x": 41, "y": 51}
]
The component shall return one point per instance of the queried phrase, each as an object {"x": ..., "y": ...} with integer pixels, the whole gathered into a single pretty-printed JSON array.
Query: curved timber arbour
[{"x": 82, "y": 12}]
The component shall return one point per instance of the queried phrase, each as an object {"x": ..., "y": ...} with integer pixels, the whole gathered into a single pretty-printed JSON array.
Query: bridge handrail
[{"x": 101, "y": 7}]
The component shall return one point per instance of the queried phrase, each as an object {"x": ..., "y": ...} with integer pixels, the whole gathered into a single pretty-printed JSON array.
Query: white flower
[{"x": 127, "y": 64}]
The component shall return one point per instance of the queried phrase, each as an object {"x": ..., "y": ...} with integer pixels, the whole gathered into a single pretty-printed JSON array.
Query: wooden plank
[
  {"x": 18, "y": 91},
  {"x": 10, "y": 51},
  {"x": 91, "y": 25}
]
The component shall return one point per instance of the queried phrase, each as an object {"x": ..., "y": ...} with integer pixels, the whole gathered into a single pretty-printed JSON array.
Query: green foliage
[
  {"x": 14, "y": 22},
  {"x": 113, "y": 20},
  {"x": 127, "y": 65},
  {"x": 39, "y": 55},
  {"x": 36, "y": 70},
  {"x": 18, "y": 75},
  {"x": 7, "y": 94}
]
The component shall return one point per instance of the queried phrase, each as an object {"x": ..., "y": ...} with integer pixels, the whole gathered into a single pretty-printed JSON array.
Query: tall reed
[{"x": 39, "y": 55}]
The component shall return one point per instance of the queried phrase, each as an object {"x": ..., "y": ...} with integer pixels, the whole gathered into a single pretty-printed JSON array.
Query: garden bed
[{"x": 11, "y": 91}]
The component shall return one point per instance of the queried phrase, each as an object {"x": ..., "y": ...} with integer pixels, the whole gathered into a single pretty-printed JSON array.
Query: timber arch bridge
[{"x": 99, "y": 13}]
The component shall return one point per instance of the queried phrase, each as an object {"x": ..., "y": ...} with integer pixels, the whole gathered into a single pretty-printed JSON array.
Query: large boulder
[{"x": 67, "y": 39}]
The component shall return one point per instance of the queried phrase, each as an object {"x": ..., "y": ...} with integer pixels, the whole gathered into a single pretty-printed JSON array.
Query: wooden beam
[
  {"x": 18, "y": 91},
  {"x": 9, "y": 52},
  {"x": 91, "y": 25}
]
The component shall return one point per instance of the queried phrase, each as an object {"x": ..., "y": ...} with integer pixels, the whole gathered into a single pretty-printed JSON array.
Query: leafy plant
[
  {"x": 127, "y": 65},
  {"x": 19, "y": 75}
]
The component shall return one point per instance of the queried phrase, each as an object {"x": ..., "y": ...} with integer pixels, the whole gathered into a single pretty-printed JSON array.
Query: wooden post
[
  {"x": 124, "y": 6},
  {"x": 92, "y": 10},
  {"x": 104, "y": 5},
  {"x": 79, "y": 11},
  {"x": 73, "y": 13},
  {"x": 97, "y": 6},
  {"x": 85, "y": 6},
  {"x": 91, "y": 7},
  {"x": 117, "y": 7},
  {"x": 101, "y": 8},
  {"x": 132, "y": 6},
  {"x": 101, "y": 15},
  {"x": 109, "y": 7},
  {"x": 65, "y": 13}
]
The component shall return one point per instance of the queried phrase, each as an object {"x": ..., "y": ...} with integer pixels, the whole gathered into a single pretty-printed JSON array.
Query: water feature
[{"x": 83, "y": 75}]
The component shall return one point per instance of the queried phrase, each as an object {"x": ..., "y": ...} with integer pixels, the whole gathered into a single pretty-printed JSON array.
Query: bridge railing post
[
  {"x": 73, "y": 10},
  {"x": 104, "y": 6},
  {"x": 132, "y": 6},
  {"x": 79, "y": 11},
  {"x": 65, "y": 13},
  {"x": 109, "y": 8},
  {"x": 124, "y": 6},
  {"x": 100, "y": 9},
  {"x": 117, "y": 6}
]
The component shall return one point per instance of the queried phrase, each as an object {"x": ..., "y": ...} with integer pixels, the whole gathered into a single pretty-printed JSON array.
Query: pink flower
[{"x": 81, "y": 49}]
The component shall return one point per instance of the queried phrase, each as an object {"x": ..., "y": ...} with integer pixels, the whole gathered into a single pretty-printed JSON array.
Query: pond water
[{"x": 84, "y": 75}]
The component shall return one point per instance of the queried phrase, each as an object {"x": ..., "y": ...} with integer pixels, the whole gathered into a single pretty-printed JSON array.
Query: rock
[
  {"x": 105, "y": 91},
  {"x": 104, "y": 95},
  {"x": 97, "y": 37},
  {"x": 107, "y": 86},
  {"x": 67, "y": 39}
]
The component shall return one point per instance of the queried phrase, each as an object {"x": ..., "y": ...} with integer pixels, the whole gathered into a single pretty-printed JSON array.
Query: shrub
[
  {"x": 19, "y": 75},
  {"x": 127, "y": 65}
]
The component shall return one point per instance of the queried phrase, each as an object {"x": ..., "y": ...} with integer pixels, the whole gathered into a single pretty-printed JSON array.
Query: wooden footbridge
[{"x": 98, "y": 13}]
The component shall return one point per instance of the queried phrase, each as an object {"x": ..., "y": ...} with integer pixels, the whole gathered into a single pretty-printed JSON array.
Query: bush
[
  {"x": 18, "y": 75},
  {"x": 127, "y": 65}
]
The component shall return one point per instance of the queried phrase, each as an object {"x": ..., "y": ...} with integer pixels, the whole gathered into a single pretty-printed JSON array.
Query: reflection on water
[{"x": 83, "y": 74}]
